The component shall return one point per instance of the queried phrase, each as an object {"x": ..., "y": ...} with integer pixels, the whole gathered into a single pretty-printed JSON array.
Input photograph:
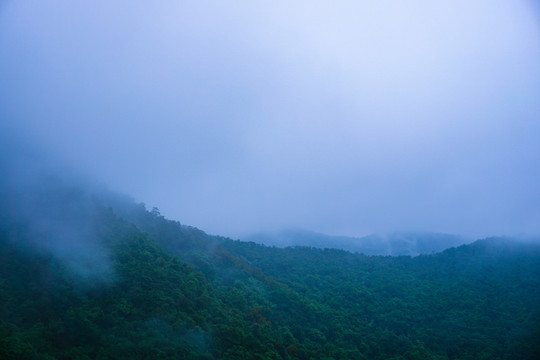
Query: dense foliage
[{"x": 169, "y": 291}]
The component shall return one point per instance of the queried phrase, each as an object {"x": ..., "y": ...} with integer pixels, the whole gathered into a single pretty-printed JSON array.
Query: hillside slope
[{"x": 97, "y": 276}]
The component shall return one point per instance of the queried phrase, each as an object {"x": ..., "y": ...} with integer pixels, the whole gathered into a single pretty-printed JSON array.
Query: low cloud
[
  {"x": 42, "y": 213},
  {"x": 346, "y": 118}
]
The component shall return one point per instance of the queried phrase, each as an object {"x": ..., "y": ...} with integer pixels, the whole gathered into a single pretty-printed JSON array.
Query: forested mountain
[
  {"x": 395, "y": 244},
  {"x": 87, "y": 275}
]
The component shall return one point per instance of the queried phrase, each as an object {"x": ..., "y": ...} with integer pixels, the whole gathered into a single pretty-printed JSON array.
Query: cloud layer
[{"x": 340, "y": 117}]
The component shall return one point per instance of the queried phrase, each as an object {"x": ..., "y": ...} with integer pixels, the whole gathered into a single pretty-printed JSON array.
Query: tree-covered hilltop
[{"x": 85, "y": 276}]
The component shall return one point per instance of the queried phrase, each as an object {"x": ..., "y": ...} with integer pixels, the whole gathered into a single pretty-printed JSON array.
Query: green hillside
[{"x": 85, "y": 276}]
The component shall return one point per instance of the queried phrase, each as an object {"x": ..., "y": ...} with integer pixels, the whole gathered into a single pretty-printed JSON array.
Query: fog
[
  {"x": 340, "y": 117},
  {"x": 48, "y": 210}
]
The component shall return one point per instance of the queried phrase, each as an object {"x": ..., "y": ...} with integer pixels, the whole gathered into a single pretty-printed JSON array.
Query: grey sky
[{"x": 344, "y": 117}]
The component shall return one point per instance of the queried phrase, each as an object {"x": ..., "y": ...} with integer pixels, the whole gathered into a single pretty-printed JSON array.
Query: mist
[
  {"x": 47, "y": 210},
  {"x": 345, "y": 118}
]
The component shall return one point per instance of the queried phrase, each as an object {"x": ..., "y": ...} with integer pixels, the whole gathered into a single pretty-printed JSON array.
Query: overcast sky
[{"x": 344, "y": 117}]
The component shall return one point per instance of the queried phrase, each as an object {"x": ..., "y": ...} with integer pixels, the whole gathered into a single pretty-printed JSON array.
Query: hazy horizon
[{"x": 344, "y": 119}]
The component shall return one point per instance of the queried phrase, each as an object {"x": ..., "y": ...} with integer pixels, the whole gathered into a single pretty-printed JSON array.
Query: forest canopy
[{"x": 100, "y": 277}]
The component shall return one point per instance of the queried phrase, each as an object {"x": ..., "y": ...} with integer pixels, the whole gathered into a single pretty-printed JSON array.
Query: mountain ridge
[{"x": 412, "y": 243}]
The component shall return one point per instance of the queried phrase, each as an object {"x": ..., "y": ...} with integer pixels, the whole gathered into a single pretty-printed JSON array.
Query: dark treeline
[{"x": 121, "y": 282}]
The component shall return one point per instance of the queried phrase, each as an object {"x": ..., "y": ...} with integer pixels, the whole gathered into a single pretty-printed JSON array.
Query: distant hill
[{"x": 394, "y": 244}]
